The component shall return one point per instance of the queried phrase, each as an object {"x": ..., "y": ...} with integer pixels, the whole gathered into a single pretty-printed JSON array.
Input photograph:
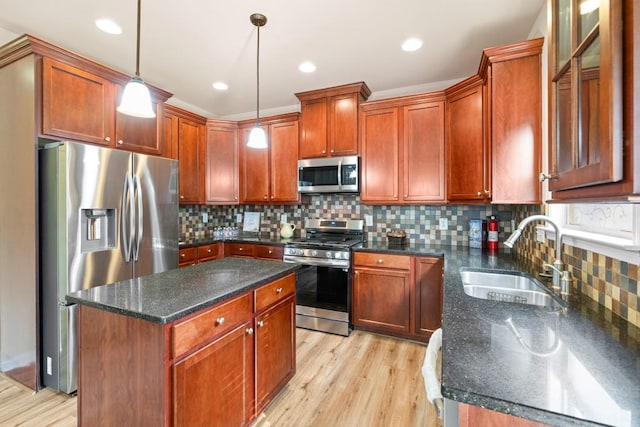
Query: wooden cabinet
[
  {"x": 468, "y": 155},
  {"x": 403, "y": 150},
  {"x": 271, "y": 175},
  {"x": 188, "y": 133},
  {"x": 513, "y": 117},
  {"x": 329, "y": 120},
  {"x": 269, "y": 252},
  {"x": 252, "y": 250},
  {"x": 216, "y": 367},
  {"x": 475, "y": 416},
  {"x": 399, "y": 295},
  {"x": 221, "y": 163},
  {"x": 81, "y": 105},
  {"x": 198, "y": 254}
]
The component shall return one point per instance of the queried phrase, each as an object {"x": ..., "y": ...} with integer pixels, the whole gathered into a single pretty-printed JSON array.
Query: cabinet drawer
[
  {"x": 187, "y": 256},
  {"x": 275, "y": 291},
  {"x": 198, "y": 330},
  {"x": 382, "y": 260},
  {"x": 269, "y": 252},
  {"x": 240, "y": 249},
  {"x": 208, "y": 252}
]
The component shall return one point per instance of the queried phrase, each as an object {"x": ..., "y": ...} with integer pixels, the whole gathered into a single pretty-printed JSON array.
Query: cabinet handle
[
  {"x": 240, "y": 249},
  {"x": 324, "y": 151},
  {"x": 332, "y": 151},
  {"x": 235, "y": 197},
  {"x": 208, "y": 250},
  {"x": 270, "y": 251},
  {"x": 380, "y": 261},
  {"x": 265, "y": 197},
  {"x": 220, "y": 321},
  {"x": 406, "y": 195},
  {"x": 181, "y": 197},
  {"x": 249, "y": 331},
  {"x": 107, "y": 138},
  {"x": 279, "y": 291},
  {"x": 120, "y": 142},
  {"x": 271, "y": 197},
  {"x": 261, "y": 323},
  {"x": 479, "y": 193}
]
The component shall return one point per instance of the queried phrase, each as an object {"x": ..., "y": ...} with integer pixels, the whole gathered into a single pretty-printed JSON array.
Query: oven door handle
[
  {"x": 340, "y": 174},
  {"x": 316, "y": 262}
]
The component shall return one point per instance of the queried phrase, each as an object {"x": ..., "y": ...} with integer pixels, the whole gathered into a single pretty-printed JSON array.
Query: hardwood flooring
[{"x": 365, "y": 380}]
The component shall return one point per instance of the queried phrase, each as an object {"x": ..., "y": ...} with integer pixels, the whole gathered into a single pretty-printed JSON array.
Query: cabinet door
[
  {"x": 210, "y": 252},
  {"x": 313, "y": 132},
  {"x": 171, "y": 136},
  {"x": 343, "y": 125},
  {"x": 465, "y": 145},
  {"x": 283, "y": 154},
  {"x": 275, "y": 350},
  {"x": 473, "y": 416},
  {"x": 515, "y": 130},
  {"x": 423, "y": 153},
  {"x": 254, "y": 171},
  {"x": 221, "y": 165},
  {"x": 380, "y": 155},
  {"x": 187, "y": 257},
  {"x": 141, "y": 135},
  {"x": 189, "y": 147},
  {"x": 381, "y": 299},
  {"x": 428, "y": 295},
  {"x": 214, "y": 386},
  {"x": 76, "y": 104}
]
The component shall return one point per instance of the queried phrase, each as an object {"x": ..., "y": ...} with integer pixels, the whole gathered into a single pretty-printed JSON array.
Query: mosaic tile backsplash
[{"x": 610, "y": 282}]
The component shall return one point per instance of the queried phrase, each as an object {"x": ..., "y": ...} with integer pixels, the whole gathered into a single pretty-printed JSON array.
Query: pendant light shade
[
  {"x": 136, "y": 100},
  {"x": 257, "y": 137}
]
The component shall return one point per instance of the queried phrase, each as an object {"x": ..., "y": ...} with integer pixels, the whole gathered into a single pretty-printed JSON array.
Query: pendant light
[
  {"x": 257, "y": 137},
  {"x": 136, "y": 100}
]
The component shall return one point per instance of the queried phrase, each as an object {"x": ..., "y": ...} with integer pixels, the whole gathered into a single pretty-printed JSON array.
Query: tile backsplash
[{"x": 610, "y": 282}]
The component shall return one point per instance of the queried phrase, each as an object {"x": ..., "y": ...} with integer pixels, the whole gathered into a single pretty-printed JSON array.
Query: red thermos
[{"x": 492, "y": 238}]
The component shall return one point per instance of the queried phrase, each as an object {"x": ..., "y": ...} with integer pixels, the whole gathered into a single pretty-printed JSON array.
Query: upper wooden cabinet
[
  {"x": 221, "y": 163},
  {"x": 593, "y": 98},
  {"x": 329, "y": 120},
  {"x": 80, "y": 104},
  {"x": 270, "y": 175},
  {"x": 187, "y": 131},
  {"x": 513, "y": 120},
  {"x": 403, "y": 150},
  {"x": 468, "y": 154}
]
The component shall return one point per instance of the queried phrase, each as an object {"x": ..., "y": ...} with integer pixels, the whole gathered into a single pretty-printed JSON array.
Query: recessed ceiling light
[
  {"x": 220, "y": 86},
  {"x": 409, "y": 45},
  {"x": 307, "y": 67},
  {"x": 108, "y": 26}
]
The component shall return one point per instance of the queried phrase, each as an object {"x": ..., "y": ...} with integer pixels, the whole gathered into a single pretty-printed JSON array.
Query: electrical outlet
[
  {"x": 368, "y": 220},
  {"x": 239, "y": 217},
  {"x": 205, "y": 217},
  {"x": 540, "y": 235},
  {"x": 443, "y": 224}
]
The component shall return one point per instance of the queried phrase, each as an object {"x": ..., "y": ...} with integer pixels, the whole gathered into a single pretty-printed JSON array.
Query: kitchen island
[
  {"x": 578, "y": 366},
  {"x": 204, "y": 345}
]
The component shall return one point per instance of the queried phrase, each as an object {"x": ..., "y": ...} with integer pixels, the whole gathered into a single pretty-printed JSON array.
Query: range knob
[
  {"x": 328, "y": 254},
  {"x": 314, "y": 253}
]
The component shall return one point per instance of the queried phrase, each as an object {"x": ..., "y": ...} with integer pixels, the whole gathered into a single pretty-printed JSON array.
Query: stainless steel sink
[{"x": 508, "y": 286}]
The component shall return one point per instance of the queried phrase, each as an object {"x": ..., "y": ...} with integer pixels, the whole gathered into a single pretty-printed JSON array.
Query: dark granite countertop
[
  {"x": 168, "y": 296},
  {"x": 577, "y": 366},
  {"x": 260, "y": 238}
]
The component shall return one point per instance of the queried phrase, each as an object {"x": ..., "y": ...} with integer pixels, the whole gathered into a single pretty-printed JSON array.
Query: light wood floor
[{"x": 364, "y": 380}]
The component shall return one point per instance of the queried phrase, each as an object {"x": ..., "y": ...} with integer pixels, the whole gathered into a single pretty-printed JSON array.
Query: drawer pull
[
  {"x": 107, "y": 138},
  {"x": 209, "y": 251},
  {"x": 279, "y": 291},
  {"x": 182, "y": 255},
  {"x": 120, "y": 142},
  {"x": 261, "y": 323},
  {"x": 380, "y": 261},
  {"x": 270, "y": 251},
  {"x": 249, "y": 331},
  {"x": 220, "y": 321}
]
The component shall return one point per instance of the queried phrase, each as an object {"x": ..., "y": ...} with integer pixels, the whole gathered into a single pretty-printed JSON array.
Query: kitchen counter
[
  {"x": 578, "y": 366},
  {"x": 261, "y": 238},
  {"x": 168, "y": 296}
]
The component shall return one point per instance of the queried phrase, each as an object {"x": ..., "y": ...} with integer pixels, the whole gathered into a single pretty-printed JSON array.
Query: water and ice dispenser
[{"x": 98, "y": 229}]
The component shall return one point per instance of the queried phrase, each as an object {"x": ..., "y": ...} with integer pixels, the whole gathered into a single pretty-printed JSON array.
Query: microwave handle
[{"x": 340, "y": 174}]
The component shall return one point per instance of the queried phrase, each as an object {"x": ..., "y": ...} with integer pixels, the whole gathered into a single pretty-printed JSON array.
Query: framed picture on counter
[{"x": 251, "y": 222}]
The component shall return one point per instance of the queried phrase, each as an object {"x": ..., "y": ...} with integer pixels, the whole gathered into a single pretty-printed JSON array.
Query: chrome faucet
[{"x": 561, "y": 278}]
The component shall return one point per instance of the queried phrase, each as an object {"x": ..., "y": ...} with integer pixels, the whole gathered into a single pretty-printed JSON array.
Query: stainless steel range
[{"x": 323, "y": 283}]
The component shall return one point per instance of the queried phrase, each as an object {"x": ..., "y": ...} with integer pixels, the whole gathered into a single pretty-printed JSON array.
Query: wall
[{"x": 419, "y": 222}]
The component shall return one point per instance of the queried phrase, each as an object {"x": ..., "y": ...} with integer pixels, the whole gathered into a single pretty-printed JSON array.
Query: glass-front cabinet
[{"x": 586, "y": 97}]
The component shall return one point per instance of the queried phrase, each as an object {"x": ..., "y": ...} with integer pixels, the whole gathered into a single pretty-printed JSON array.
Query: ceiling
[{"x": 186, "y": 46}]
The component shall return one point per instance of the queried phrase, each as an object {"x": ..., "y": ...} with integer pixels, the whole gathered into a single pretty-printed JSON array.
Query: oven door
[{"x": 323, "y": 298}]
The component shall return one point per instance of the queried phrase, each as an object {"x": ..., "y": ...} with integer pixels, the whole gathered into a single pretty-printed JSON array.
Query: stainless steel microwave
[{"x": 328, "y": 175}]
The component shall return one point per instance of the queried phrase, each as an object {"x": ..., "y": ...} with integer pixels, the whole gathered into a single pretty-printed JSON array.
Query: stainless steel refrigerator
[{"x": 105, "y": 215}]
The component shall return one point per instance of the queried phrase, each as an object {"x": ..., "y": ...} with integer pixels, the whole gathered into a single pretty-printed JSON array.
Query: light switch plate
[
  {"x": 368, "y": 220},
  {"x": 205, "y": 217},
  {"x": 239, "y": 217},
  {"x": 540, "y": 235},
  {"x": 443, "y": 224},
  {"x": 283, "y": 218}
]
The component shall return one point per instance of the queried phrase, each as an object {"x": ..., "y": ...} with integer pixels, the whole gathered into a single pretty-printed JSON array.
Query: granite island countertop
[
  {"x": 577, "y": 366},
  {"x": 171, "y": 295}
]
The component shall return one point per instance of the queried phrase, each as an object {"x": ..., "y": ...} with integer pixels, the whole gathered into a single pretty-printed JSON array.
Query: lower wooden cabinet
[
  {"x": 252, "y": 250},
  {"x": 475, "y": 416},
  {"x": 399, "y": 295},
  {"x": 198, "y": 254}
]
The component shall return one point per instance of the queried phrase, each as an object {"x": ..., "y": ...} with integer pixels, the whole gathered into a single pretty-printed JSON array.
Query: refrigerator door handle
[
  {"x": 126, "y": 240},
  {"x": 140, "y": 214}
]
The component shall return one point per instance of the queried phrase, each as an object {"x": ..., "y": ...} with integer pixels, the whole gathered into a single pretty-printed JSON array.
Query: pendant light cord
[
  {"x": 257, "y": 80},
  {"x": 138, "y": 42}
]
